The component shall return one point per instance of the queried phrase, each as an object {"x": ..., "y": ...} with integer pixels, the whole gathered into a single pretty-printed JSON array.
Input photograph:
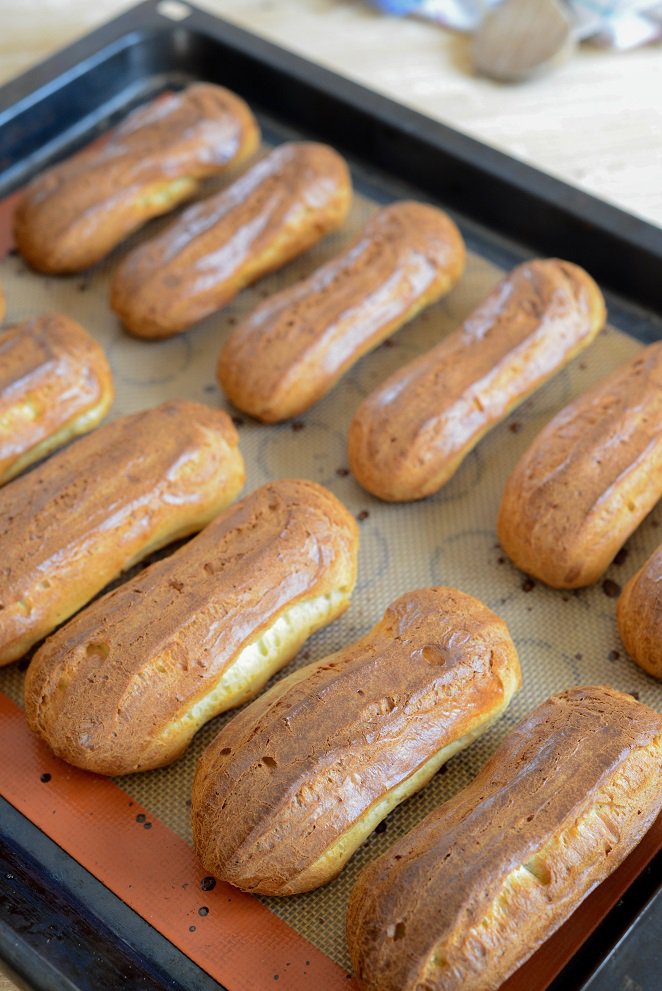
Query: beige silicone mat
[{"x": 563, "y": 638}]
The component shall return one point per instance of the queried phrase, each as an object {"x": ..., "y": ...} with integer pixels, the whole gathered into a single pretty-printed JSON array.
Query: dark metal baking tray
[{"x": 59, "y": 927}]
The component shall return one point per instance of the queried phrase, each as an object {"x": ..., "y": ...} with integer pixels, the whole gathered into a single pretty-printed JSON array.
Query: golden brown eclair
[
  {"x": 639, "y": 615},
  {"x": 588, "y": 479},
  {"x": 278, "y": 209},
  {"x": 125, "y": 684},
  {"x": 294, "y": 347},
  {"x": 297, "y": 781},
  {"x": 78, "y": 211},
  {"x": 471, "y": 892},
  {"x": 55, "y": 383},
  {"x": 78, "y": 520},
  {"x": 412, "y": 433}
]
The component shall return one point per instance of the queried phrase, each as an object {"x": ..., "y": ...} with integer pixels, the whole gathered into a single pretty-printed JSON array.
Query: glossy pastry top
[
  {"x": 278, "y": 208},
  {"x": 639, "y": 614},
  {"x": 409, "y": 436},
  {"x": 95, "y": 508},
  {"x": 182, "y": 622},
  {"x": 74, "y": 213},
  {"x": 51, "y": 373},
  {"x": 296, "y": 344},
  {"x": 297, "y": 767},
  {"x": 413, "y": 909},
  {"x": 588, "y": 478}
]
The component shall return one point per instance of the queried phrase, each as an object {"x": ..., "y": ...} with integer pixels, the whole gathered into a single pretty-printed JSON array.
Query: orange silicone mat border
[{"x": 237, "y": 941}]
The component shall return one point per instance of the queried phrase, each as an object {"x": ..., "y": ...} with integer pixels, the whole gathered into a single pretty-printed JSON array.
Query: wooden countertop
[{"x": 596, "y": 122}]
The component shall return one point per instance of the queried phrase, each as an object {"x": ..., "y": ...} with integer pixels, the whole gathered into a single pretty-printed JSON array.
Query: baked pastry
[
  {"x": 55, "y": 383},
  {"x": 639, "y": 615},
  {"x": 472, "y": 891},
  {"x": 125, "y": 684},
  {"x": 294, "y": 346},
  {"x": 588, "y": 479},
  {"x": 299, "y": 779},
  {"x": 2, "y": 304},
  {"x": 278, "y": 209},
  {"x": 411, "y": 434},
  {"x": 95, "y": 509},
  {"x": 75, "y": 213}
]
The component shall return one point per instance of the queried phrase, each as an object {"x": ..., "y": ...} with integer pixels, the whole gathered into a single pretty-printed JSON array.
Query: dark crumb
[
  {"x": 564, "y": 598},
  {"x": 46, "y": 777},
  {"x": 529, "y": 608},
  {"x": 209, "y": 388},
  {"x": 363, "y": 515},
  {"x": 208, "y": 883},
  {"x": 141, "y": 817},
  {"x": 147, "y": 825},
  {"x": 381, "y": 827},
  {"x": 276, "y": 977},
  {"x": 203, "y": 910},
  {"x": 515, "y": 427},
  {"x": 613, "y": 655},
  {"x": 306, "y": 655},
  {"x": 232, "y": 321},
  {"x": 191, "y": 929},
  {"x": 187, "y": 803},
  {"x": 583, "y": 365},
  {"x": 622, "y": 556},
  {"x": 342, "y": 472},
  {"x": 82, "y": 287},
  {"x": 238, "y": 421},
  {"x": 322, "y": 921},
  {"x": 298, "y": 425},
  {"x": 635, "y": 695},
  {"x": 611, "y": 588},
  {"x": 13, "y": 252},
  {"x": 528, "y": 585},
  {"x": 578, "y": 657},
  {"x": 388, "y": 343},
  {"x": 501, "y": 560},
  {"x": 654, "y": 524}
]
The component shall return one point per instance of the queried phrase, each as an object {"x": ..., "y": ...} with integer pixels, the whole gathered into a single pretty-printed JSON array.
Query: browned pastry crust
[
  {"x": 55, "y": 383},
  {"x": 469, "y": 894},
  {"x": 278, "y": 209},
  {"x": 75, "y": 213},
  {"x": 81, "y": 518},
  {"x": 588, "y": 479},
  {"x": 639, "y": 614},
  {"x": 294, "y": 347},
  {"x": 290, "y": 788},
  {"x": 125, "y": 684},
  {"x": 412, "y": 433}
]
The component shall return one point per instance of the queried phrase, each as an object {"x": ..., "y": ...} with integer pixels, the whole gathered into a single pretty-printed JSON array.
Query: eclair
[
  {"x": 410, "y": 435},
  {"x": 588, "y": 479},
  {"x": 462, "y": 900},
  {"x": 125, "y": 684},
  {"x": 278, "y": 209},
  {"x": 299, "y": 779},
  {"x": 74, "y": 214},
  {"x": 78, "y": 520},
  {"x": 296, "y": 345},
  {"x": 55, "y": 383},
  {"x": 639, "y": 615}
]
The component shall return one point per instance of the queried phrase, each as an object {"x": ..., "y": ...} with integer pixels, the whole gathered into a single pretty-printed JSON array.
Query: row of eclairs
[{"x": 305, "y": 772}]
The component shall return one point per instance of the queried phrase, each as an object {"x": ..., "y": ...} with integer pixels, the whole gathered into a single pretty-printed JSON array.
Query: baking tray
[{"x": 59, "y": 926}]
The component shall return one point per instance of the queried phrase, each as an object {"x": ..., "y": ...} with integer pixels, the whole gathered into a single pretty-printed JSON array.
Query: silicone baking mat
[{"x": 563, "y": 638}]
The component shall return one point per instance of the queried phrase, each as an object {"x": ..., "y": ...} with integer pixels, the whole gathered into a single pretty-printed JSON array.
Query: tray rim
[{"x": 20, "y": 94}]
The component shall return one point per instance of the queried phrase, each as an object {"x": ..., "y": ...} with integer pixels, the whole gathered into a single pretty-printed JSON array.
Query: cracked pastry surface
[
  {"x": 75, "y": 213},
  {"x": 294, "y": 347},
  {"x": 639, "y": 615},
  {"x": 93, "y": 510},
  {"x": 471, "y": 892},
  {"x": 411, "y": 434},
  {"x": 588, "y": 479},
  {"x": 275, "y": 211},
  {"x": 293, "y": 784},
  {"x": 55, "y": 383},
  {"x": 124, "y": 686}
]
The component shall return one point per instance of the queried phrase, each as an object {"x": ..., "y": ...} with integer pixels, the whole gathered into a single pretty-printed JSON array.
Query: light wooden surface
[{"x": 596, "y": 123}]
